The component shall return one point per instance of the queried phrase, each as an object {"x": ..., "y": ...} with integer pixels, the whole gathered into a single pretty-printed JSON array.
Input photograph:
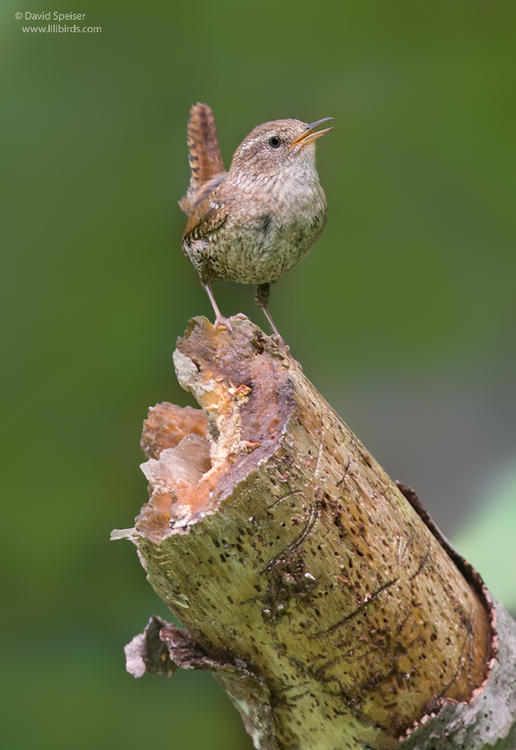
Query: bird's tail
[{"x": 203, "y": 152}]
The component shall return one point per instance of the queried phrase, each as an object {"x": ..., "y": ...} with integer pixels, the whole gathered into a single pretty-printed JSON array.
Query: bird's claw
[
  {"x": 223, "y": 323},
  {"x": 280, "y": 342}
]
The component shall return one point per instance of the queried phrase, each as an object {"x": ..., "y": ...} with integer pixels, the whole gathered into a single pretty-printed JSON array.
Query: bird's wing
[
  {"x": 203, "y": 223},
  {"x": 203, "y": 154}
]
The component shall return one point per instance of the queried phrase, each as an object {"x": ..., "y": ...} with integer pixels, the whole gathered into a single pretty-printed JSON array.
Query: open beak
[{"x": 310, "y": 134}]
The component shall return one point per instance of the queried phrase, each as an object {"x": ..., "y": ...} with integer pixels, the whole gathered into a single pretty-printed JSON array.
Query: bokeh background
[{"x": 403, "y": 314}]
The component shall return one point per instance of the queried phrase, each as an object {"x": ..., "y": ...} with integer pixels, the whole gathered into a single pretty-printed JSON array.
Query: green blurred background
[{"x": 403, "y": 314}]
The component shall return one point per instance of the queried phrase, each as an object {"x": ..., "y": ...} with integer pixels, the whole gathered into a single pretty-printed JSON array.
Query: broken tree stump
[{"x": 312, "y": 586}]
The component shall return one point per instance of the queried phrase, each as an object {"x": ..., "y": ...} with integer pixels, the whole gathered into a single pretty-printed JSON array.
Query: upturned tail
[{"x": 203, "y": 154}]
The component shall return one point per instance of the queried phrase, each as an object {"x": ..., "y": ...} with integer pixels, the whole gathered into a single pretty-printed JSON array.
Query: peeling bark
[{"x": 317, "y": 591}]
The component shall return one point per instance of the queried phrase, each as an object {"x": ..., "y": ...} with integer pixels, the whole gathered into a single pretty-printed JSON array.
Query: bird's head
[{"x": 278, "y": 146}]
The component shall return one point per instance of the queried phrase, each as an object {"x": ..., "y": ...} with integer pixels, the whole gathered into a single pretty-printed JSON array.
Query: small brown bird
[{"x": 253, "y": 223}]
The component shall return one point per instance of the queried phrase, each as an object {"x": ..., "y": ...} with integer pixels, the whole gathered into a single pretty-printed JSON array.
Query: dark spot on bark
[
  {"x": 258, "y": 342},
  {"x": 213, "y": 430}
]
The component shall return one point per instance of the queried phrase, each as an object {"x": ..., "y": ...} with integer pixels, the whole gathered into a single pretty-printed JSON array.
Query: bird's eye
[{"x": 274, "y": 141}]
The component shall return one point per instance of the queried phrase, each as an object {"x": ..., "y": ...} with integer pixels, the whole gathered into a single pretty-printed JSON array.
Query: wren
[{"x": 253, "y": 223}]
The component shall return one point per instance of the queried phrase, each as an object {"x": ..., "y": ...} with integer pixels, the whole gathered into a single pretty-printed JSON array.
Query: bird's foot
[
  {"x": 220, "y": 320},
  {"x": 279, "y": 341},
  {"x": 223, "y": 323}
]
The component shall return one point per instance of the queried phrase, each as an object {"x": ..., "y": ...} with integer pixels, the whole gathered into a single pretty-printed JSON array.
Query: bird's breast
[
  {"x": 266, "y": 238},
  {"x": 267, "y": 230}
]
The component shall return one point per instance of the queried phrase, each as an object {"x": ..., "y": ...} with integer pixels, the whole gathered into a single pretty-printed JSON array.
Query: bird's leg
[
  {"x": 220, "y": 320},
  {"x": 262, "y": 300}
]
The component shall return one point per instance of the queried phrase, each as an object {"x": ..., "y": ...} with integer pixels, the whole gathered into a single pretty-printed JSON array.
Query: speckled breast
[
  {"x": 264, "y": 249},
  {"x": 262, "y": 242}
]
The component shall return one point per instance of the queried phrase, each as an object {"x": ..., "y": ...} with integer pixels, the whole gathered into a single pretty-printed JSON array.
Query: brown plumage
[
  {"x": 256, "y": 221},
  {"x": 203, "y": 152}
]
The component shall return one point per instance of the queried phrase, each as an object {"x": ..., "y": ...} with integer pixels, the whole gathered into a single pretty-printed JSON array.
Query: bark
[{"x": 316, "y": 590}]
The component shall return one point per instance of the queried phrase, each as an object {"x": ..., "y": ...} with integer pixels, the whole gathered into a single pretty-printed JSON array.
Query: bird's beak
[{"x": 309, "y": 135}]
